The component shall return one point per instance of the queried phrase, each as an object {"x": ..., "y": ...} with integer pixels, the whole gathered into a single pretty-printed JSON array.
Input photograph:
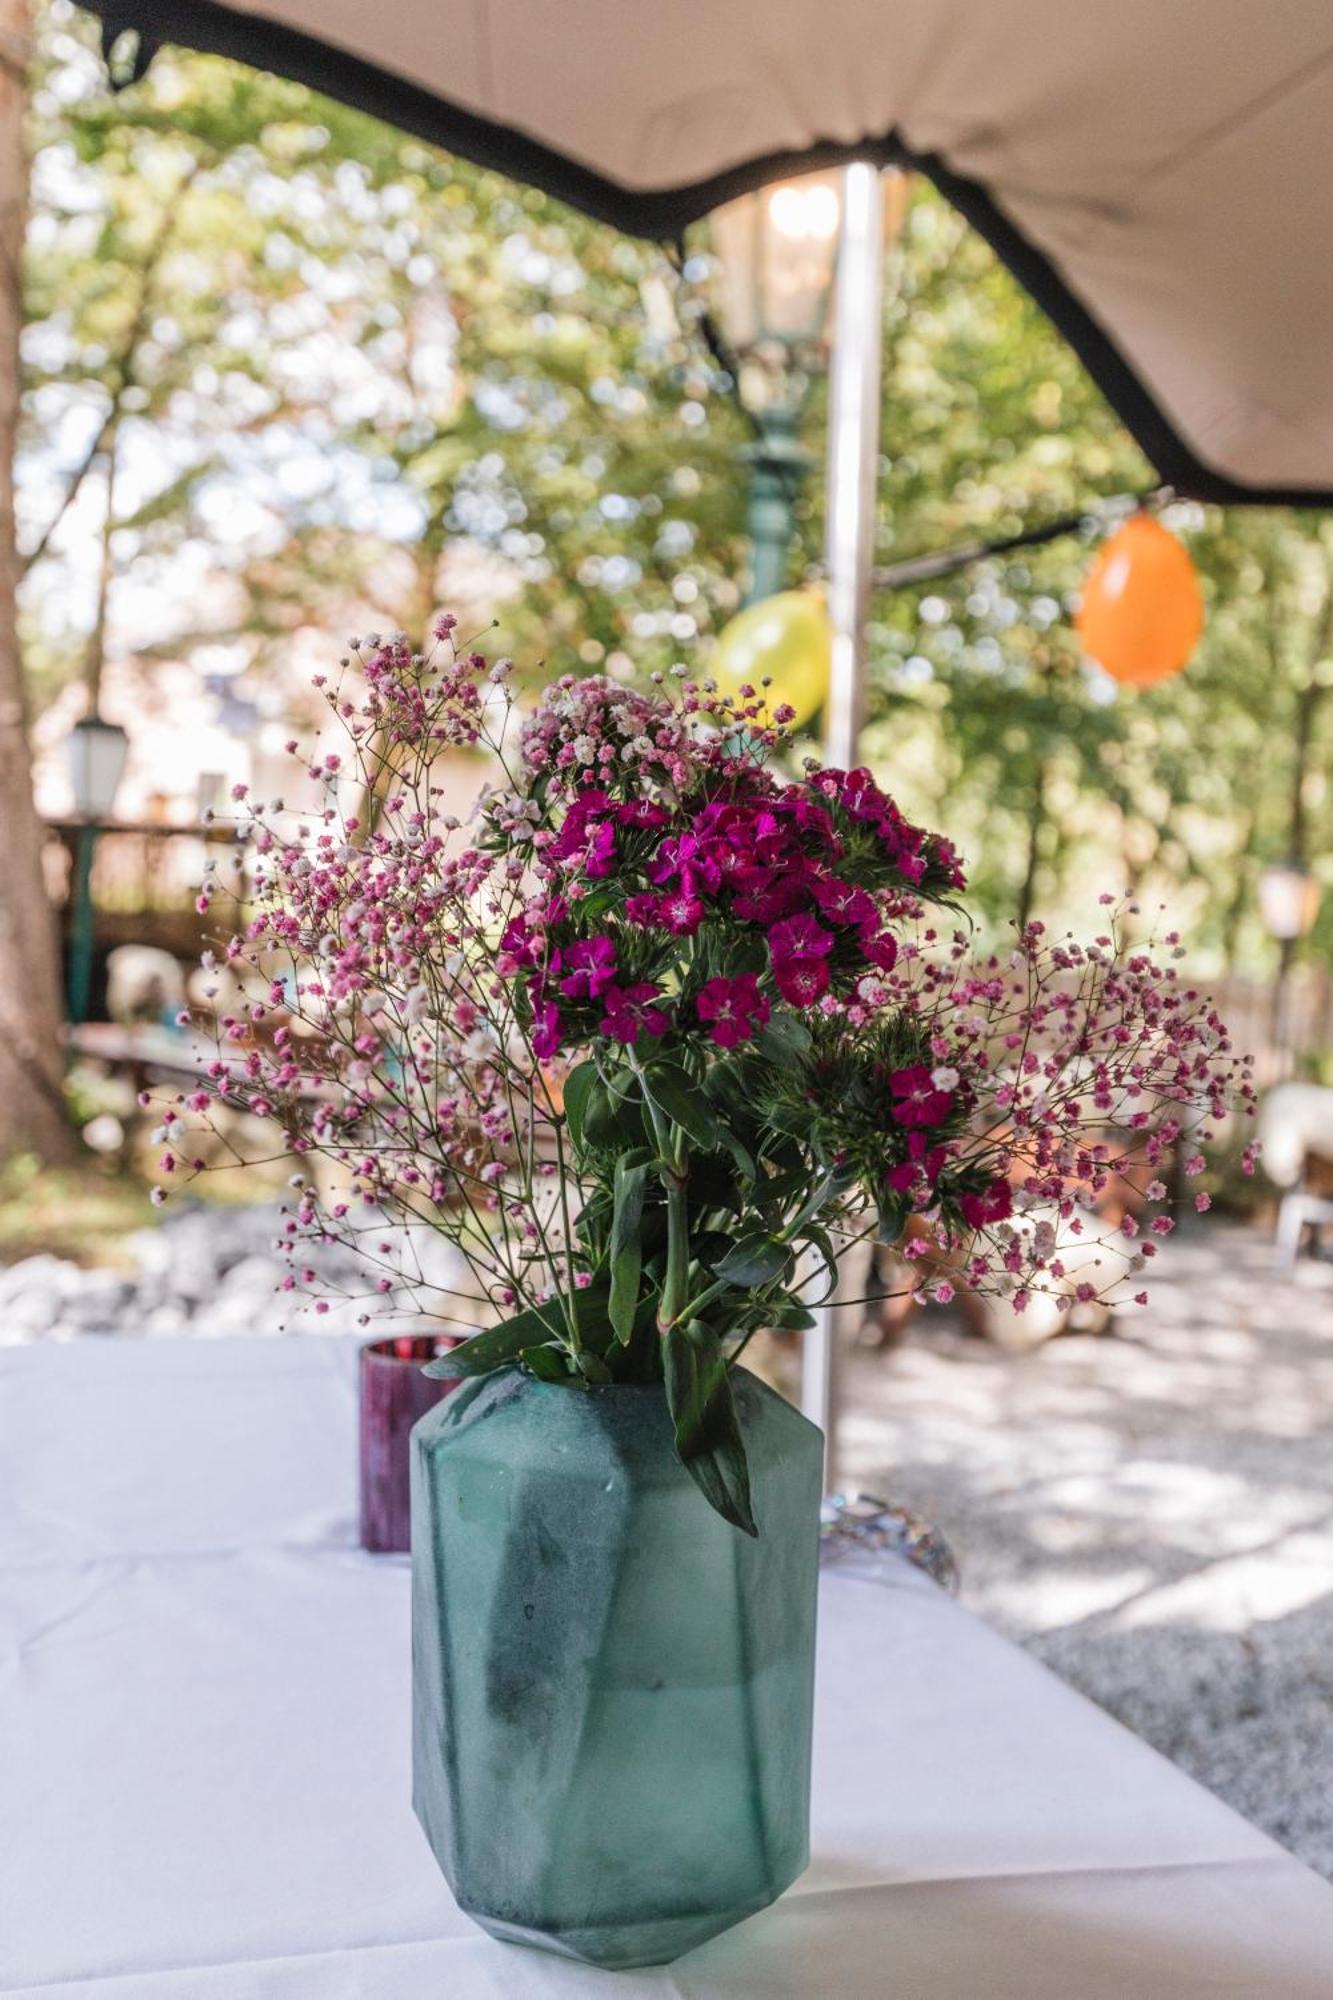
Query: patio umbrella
[{"x": 1156, "y": 173}]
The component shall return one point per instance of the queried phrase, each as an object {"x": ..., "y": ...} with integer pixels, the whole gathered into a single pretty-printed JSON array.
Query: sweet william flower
[
  {"x": 645, "y": 910},
  {"x": 881, "y": 948},
  {"x": 799, "y": 937},
  {"x": 916, "y": 1100},
  {"x": 923, "y": 1161},
  {"x": 642, "y": 812},
  {"x": 844, "y": 902},
  {"x": 802, "y": 982},
  {"x": 733, "y": 1008},
  {"x": 799, "y": 949},
  {"x": 546, "y": 1037},
  {"x": 599, "y": 856},
  {"x": 680, "y": 912},
  {"x": 632, "y": 1011},
  {"x": 589, "y": 968},
  {"x": 995, "y": 1205}
]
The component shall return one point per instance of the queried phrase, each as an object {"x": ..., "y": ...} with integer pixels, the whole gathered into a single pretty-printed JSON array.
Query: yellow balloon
[{"x": 787, "y": 638}]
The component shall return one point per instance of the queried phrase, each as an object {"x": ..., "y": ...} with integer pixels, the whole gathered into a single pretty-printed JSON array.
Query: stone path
[{"x": 1151, "y": 1515}]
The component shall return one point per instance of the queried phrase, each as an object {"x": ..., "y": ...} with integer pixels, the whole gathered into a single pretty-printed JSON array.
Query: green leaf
[
  {"x": 821, "y": 1241},
  {"x": 825, "y": 1189},
  {"x": 499, "y": 1346},
  {"x": 792, "y": 1317},
  {"x": 597, "y": 902},
  {"x": 779, "y": 1189},
  {"x": 792, "y": 1119},
  {"x": 682, "y": 1102},
  {"x": 578, "y": 1089},
  {"x": 892, "y": 1218},
  {"x": 612, "y": 1116},
  {"x": 626, "y": 1249},
  {"x": 708, "y": 1436},
  {"x": 740, "y": 1153},
  {"x": 786, "y": 1037},
  {"x": 548, "y": 1364},
  {"x": 754, "y": 1260}
]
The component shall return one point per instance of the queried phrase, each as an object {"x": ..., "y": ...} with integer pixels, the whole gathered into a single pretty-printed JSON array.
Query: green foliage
[
  {"x": 329, "y": 376},
  {"x": 985, "y": 719},
  {"x": 703, "y": 1411},
  {"x": 334, "y": 362}
]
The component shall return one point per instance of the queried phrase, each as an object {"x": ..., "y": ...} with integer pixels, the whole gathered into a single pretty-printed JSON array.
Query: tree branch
[{"x": 124, "y": 364}]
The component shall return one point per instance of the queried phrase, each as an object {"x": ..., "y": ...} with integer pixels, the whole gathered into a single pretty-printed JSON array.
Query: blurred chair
[
  {"x": 1296, "y": 1136},
  {"x": 143, "y": 985}
]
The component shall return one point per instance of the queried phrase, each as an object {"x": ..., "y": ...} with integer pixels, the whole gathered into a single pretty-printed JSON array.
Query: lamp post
[
  {"x": 97, "y": 750},
  {"x": 779, "y": 252},
  {"x": 1289, "y": 898},
  {"x": 775, "y": 257}
]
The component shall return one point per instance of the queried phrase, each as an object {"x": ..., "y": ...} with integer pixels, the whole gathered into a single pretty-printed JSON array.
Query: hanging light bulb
[{"x": 1142, "y": 609}]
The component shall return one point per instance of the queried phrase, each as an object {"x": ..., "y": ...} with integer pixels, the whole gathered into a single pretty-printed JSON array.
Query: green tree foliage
[
  {"x": 324, "y": 355},
  {"x": 326, "y": 376}
]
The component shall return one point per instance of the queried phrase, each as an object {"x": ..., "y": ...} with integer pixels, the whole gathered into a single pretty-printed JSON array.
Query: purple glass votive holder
[{"x": 394, "y": 1393}]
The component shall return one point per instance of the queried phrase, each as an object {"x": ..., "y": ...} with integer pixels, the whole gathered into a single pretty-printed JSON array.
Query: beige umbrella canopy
[{"x": 1157, "y": 173}]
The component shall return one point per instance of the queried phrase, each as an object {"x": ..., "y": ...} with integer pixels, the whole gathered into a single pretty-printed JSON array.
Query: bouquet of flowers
[{"x": 659, "y": 1031}]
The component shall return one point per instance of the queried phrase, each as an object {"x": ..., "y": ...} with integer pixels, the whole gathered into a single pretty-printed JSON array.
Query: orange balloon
[{"x": 1142, "y": 609}]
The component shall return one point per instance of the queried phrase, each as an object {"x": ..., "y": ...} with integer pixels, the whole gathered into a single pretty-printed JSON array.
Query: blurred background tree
[{"x": 290, "y": 373}]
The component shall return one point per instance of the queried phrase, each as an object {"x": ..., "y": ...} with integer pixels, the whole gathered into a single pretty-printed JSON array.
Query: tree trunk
[{"x": 32, "y": 1113}]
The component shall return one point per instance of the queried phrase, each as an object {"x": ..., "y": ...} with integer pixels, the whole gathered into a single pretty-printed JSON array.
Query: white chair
[{"x": 1295, "y": 1130}]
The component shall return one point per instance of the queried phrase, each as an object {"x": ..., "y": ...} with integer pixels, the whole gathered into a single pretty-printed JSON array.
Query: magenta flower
[
  {"x": 641, "y": 812},
  {"x": 799, "y": 948},
  {"x": 881, "y": 948},
  {"x": 587, "y": 834},
  {"x": 600, "y": 852},
  {"x": 917, "y": 1101},
  {"x": 995, "y": 1205},
  {"x": 765, "y": 894},
  {"x": 844, "y": 902},
  {"x": 690, "y": 861},
  {"x": 644, "y": 910},
  {"x": 590, "y": 967},
  {"x": 923, "y": 1161},
  {"x": 631, "y": 1012},
  {"x": 519, "y": 944},
  {"x": 802, "y": 981},
  {"x": 545, "y": 1030},
  {"x": 734, "y": 1007},
  {"x": 799, "y": 937},
  {"x": 681, "y": 912}
]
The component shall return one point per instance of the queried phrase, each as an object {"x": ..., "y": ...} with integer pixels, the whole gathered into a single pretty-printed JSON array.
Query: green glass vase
[{"x": 612, "y": 1686}]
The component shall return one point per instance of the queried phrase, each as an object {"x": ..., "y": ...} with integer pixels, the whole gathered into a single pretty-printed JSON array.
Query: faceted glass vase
[{"x": 613, "y": 1687}]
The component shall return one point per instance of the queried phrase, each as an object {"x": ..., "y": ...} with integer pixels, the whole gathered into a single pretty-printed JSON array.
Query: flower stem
[{"x": 676, "y": 1285}]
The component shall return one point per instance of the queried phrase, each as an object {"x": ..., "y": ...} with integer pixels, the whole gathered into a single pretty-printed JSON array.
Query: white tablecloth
[{"x": 204, "y": 1763}]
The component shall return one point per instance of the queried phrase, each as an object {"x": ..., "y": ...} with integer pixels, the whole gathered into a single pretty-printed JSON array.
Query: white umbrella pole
[{"x": 853, "y": 452}]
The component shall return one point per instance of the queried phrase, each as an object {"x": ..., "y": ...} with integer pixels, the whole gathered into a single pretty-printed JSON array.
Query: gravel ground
[{"x": 1150, "y": 1514}]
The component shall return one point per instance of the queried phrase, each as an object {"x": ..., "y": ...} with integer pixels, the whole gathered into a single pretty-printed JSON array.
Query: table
[{"x": 204, "y": 1751}]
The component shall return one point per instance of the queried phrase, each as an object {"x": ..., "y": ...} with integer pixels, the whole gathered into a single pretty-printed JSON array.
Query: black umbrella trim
[{"x": 664, "y": 214}]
